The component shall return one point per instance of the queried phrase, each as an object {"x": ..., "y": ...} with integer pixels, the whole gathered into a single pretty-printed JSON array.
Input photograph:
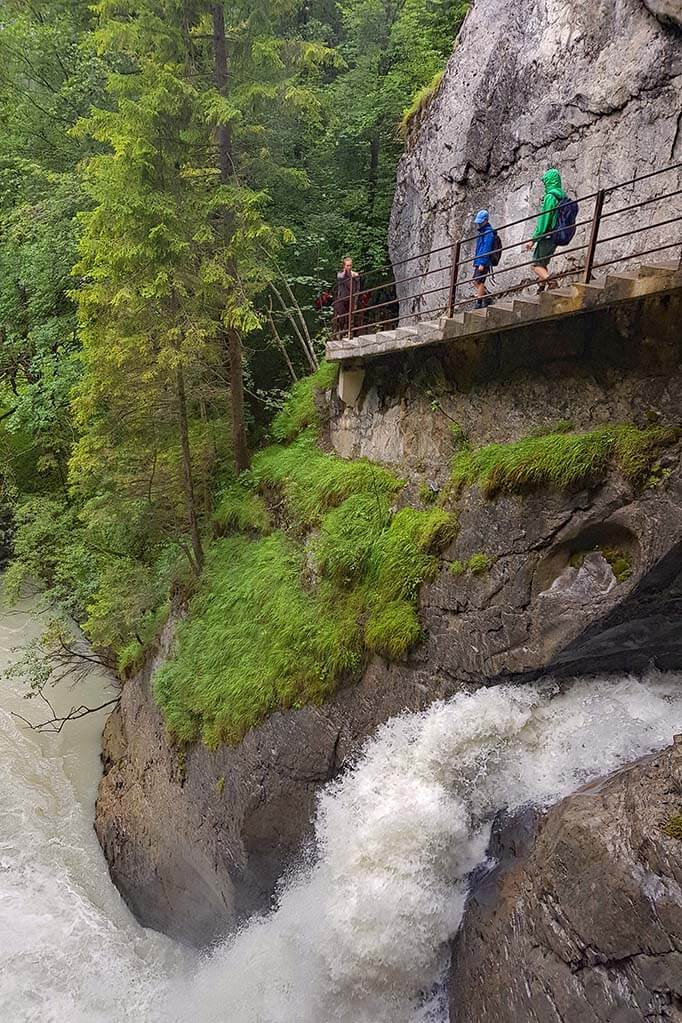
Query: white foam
[{"x": 360, "y": 936}]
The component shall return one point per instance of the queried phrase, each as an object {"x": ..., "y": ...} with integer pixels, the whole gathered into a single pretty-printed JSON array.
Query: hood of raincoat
[{"x": 551, "y": 179}]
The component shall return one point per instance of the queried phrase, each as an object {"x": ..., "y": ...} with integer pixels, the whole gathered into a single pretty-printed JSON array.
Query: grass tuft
[
  {"x": 240, "y": 511},
  {"x": 312, "y": 481},
  {"x": 477, "y": 564},
  {"x": 300, "y": 411},
  {"x": 413, "y": 114},
  {"x": 562, "y": 461},
  {"x": 257, "y": 639}
]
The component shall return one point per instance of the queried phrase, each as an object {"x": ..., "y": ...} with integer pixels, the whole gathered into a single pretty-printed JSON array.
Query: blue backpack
[{"x": 567, "y": 214}]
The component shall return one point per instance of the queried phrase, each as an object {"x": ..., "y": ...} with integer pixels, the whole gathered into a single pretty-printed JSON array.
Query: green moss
[
  {"x": 673, "y": 828},
  {"x": 312, "y": 481},
  {"x": 240, "y": 511},
  {"x": 477, "y": 565},
  {"x": 619, "y": 560},
  {"x": 480, "y": 563},
  {"x": 220, "y": 785},
  {"x": 299, "y": 411},
  {"x": 562, "y": 461},
  {"x": 420, "y": 102},
  {"x": 258, "y": 638},
  {"x": 427, "y": 494}
]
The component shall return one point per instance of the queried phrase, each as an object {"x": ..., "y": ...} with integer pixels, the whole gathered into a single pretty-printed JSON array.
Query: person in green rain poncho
[{"x": 543, "y": 242}]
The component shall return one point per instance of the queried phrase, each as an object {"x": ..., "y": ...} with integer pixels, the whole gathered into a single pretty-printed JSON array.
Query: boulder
[{"x": 581, "y": 918}]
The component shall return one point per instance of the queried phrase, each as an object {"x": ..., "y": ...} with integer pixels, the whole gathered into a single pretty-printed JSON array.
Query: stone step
[
  {"x": 656, "y": 268},
  {"x": 590, "y": 291},
  {"x": 622, "y": 282},
  {"x": 528, "y": 306},
  {"x": 500, "y": 314},
  {"x": 476, "y": 319}
]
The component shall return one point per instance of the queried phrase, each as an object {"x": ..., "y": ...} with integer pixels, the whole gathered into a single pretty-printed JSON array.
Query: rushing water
[{"x": 359, "y": 935}]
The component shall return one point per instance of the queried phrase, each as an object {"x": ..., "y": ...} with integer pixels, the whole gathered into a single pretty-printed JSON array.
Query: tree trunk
[
  {"x": 242, "y": 458},
  {"x": 187, "y": 484},
  {"x": 231, "y": 339},
  {"x": 373, "y": 170}
]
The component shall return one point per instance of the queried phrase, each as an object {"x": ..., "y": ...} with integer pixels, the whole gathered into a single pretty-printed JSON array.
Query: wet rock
[{"x": 581, "y": 920}]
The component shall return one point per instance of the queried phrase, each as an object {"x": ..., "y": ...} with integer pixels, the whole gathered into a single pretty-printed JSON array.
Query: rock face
[
  {"x": 594, "y": 89},
  {"x": 196, "y": 841},
  {"x": 581, "y": 922},
  {"x": 668, "y": 11}
]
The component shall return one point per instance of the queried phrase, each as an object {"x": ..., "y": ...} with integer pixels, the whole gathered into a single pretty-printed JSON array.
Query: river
[{"x": 359, "y": 934}]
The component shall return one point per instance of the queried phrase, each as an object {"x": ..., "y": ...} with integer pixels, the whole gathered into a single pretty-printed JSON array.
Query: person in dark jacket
[
  {"x": 543, "y": 242},
  {"x": 347, "y": 288},
  {"x": 482, "y": 259}
]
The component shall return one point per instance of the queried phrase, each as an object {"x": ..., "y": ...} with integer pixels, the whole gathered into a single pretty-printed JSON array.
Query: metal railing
[{"x": 385, "y": 305}]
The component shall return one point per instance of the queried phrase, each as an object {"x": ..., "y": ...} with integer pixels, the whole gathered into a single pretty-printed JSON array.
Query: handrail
[
  {"x": 609, "y": 189},
  {"x": 600, "y": 197}
]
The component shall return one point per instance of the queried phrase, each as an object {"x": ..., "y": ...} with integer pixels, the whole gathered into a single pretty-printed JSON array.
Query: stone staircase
[{"x": 513, "y": 312}]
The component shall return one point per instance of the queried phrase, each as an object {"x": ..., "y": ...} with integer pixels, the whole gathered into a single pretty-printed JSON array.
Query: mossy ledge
[
  {"x": 282, "y": 615},
  {"x": 562, "y": 460}
]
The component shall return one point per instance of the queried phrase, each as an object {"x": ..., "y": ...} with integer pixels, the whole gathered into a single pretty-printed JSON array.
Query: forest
[{"x": 178, "y": 181}]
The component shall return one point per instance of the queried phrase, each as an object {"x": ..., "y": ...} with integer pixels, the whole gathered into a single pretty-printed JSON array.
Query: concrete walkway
[{"x": 512, "y": 313}]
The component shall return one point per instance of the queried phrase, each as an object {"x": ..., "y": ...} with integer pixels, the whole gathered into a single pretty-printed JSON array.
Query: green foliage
[
  {"x": 299, "y": 410},
  {"x": 312, "y": 482},
  {"x": 459, "y": 436},
  {"x": 427, "y": 494},
  {"x": 477, "y": 564},
  {"x": 420, "y": 103},
  {"x": 480, "y": 563},
  {"x": 673, "y": 827},
  {"x": 268, "y": 629},
  {"x": 562, "y": 461},
  {"x": 240, "y": 511}
]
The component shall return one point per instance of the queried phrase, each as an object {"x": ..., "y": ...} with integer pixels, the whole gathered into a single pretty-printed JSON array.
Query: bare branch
[{"x": 57, "y": 722}]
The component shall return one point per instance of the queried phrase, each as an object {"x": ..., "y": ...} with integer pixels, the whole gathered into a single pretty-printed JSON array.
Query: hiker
[
  {"x": 347, "y": 288},
  {"x": 483, "y": 260},
  {"x": 544, "y": 242}
]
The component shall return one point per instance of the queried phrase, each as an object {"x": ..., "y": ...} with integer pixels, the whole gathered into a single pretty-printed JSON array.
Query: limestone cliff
[{"x": 594, "y": 89}]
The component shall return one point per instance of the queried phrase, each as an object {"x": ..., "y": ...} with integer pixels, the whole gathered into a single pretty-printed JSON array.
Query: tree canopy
[{"x": 177, "y": 180}]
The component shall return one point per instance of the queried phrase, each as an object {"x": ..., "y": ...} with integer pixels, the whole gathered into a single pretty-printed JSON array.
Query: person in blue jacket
[{"x": 482, "y": 261}]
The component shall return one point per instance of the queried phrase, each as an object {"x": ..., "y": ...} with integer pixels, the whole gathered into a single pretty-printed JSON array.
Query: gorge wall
[{"x": 594, "y": 89}]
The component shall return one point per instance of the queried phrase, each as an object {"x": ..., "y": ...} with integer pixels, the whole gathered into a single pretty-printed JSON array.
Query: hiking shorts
[
  {"x": 480, "y": 274},
  {"x": 543, "y": 251}
]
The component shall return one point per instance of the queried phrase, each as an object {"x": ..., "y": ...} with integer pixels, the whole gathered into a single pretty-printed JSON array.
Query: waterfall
[{"x": 359, "y": 933}]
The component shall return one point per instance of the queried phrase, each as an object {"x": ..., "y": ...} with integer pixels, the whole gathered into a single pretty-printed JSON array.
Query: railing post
[
  {"x": 350, "y": 308},
  {"x": 453, "y": 278},
  {"x": 594, "y": 235}
]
